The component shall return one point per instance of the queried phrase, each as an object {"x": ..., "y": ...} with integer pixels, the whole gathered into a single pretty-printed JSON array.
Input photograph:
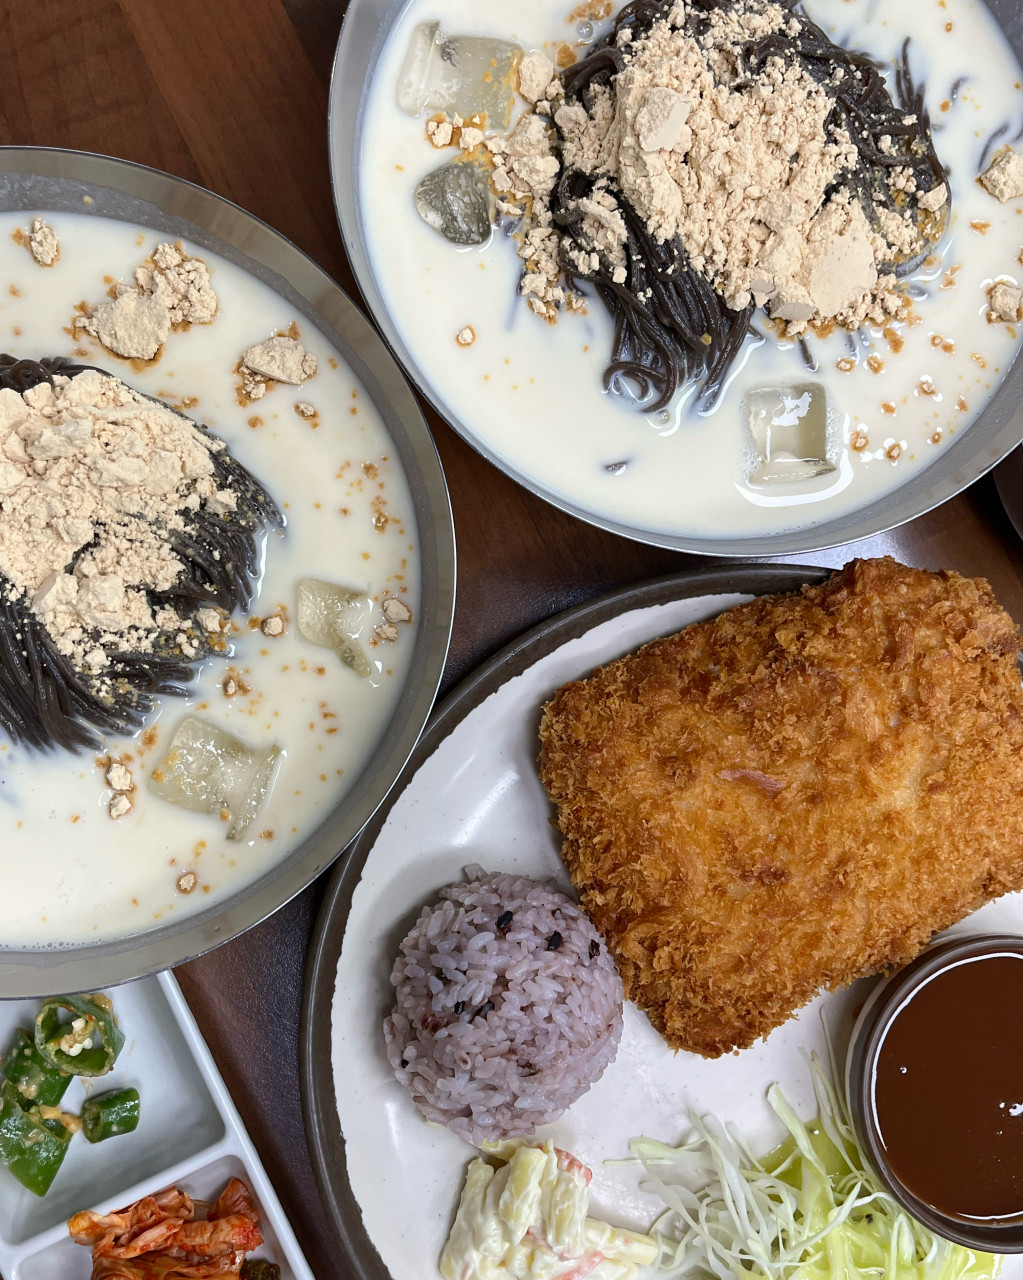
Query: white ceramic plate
[{"x": 474, "y": 796}]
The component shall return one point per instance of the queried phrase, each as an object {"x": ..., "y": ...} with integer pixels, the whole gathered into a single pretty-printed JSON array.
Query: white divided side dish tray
[{"x": 189, "y": 1135}]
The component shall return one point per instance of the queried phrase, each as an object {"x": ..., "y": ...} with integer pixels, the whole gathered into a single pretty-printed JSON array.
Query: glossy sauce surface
[{"x": 948, "y": 1090}]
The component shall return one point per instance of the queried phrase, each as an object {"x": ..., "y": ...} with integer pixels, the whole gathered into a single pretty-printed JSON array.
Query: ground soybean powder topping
[
  {"x": 43, "y": 243},
  {"x": 171, "y": 290},
  {"x": 743, "y": 169},
  {"x": 281, "y": 358},
  {"x": 128, "y": 534},
  {"x": 87, "y": 469},
  {"x": 704, "y": 163}
]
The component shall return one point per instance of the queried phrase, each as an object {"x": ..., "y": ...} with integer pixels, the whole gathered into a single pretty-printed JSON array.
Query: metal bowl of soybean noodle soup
[
  {"x": 933, "y": 1074},
  {"x": 102, "y": 209},
  {"x": 922, "y": 414}
]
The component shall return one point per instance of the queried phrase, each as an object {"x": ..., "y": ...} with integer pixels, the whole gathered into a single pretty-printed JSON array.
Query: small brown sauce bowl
[{"x": 934, "y": 1079}]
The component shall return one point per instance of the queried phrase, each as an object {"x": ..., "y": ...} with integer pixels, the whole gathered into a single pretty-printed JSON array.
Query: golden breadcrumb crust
[{"x": 793, "y": 795}]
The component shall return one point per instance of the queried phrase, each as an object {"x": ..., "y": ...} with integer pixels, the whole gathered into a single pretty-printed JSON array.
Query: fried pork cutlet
[{"x": 793, "y": 795}]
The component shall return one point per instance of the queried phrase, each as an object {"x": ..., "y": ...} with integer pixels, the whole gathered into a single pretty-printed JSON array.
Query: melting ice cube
[
  {"x": 455, "y": 200},
  {"x": 337, "y": 618},
  {"x": 789, "y": 429},
  {"x": 467, "y": 75},
  {"x": 209, "y": 770}
]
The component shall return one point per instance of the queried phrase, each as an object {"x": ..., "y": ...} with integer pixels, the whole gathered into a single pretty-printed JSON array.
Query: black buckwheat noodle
[
  {"x": 671, "y": 326},
  {"x": 45, "y": 700}
]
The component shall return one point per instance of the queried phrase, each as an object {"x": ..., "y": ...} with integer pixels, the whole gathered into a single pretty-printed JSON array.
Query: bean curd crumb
[
  {"x": 187, "y": 882},
  {"x": 961, "y": 404},
  {"x": 894, "y": 449},
  {"x": 120, "y": 806},
  {"x": 1005, "y": 303},
  {"x": 846, "y": 365},
  {"x": 1003, "y": 177},
  {"x": 280, "y": 359},
  {"x": 234, "y": 685},
  {"x": 466, "y": 337},
  {"x": 439, "y": 131},
  {"x": 41, "y": 242},
  {"x": 888, "y": 408},
  {"x": 212, "y": 621},
  {"x": 875, "y": 364},
  {"x": 306, "y": 410},
  {"x": 395, "y": 611},
  {"x": 172, "y": 291},
  {"x": 119, "y": 778},
  {"x": 858, "y": 441}
]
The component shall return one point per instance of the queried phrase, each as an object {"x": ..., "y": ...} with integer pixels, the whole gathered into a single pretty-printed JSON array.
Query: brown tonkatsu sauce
[{"x": 948, "y": 1090}]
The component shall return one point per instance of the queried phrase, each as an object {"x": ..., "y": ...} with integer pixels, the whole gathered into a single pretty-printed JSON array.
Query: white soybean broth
[
  {"x": 72, "y": 874},
  {"x": 533, "y": 394}
]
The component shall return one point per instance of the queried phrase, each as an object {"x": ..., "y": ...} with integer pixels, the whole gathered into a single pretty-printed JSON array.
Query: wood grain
[{"x": 232, "y": 94}]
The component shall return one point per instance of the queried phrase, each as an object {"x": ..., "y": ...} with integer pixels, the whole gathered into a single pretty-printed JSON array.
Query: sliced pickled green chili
[
  {"x": 33, "y": 1149},
  {"x": 88, "y": 1044},
  {"x": 110, "y": 1114},
  {"x": 34, "y": 1078},
  {"x": 257, "y": 1269}
]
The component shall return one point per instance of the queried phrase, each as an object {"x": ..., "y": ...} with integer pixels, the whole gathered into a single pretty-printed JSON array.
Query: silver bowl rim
[
  {"x": 242, "y": 237},
  {"x": 877, "y": 1015},
  {"x": 960, "y": 466}
]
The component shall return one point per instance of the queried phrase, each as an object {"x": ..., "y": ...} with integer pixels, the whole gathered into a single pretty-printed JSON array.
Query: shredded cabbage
[{"x": 811, "y": 1210}]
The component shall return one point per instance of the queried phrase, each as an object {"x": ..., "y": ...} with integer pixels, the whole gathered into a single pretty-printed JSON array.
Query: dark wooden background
[{"x": 232, "y": 94}]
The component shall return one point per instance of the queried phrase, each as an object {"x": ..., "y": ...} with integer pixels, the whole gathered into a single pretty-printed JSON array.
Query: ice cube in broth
[
  {"x": 337, "y": 618},
  {"x": 208, "y": 770},
  {"x": 789, "y": 430},
  {"x": 459, "y": 75},
  {"x": 455, "y": 200}
]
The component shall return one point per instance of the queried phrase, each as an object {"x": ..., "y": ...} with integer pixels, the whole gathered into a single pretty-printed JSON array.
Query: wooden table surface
[{"x": 232, "y": 94}]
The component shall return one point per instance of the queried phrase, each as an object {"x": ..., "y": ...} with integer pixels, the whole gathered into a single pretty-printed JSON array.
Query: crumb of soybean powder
[
  {"x": 278, "y": 359},
  {"x": 171, "y": 291},
  {"x": 1003, "y": 177},
  {"x": 1005, "y": 302},
  {"x": 43, "y": 243}
]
